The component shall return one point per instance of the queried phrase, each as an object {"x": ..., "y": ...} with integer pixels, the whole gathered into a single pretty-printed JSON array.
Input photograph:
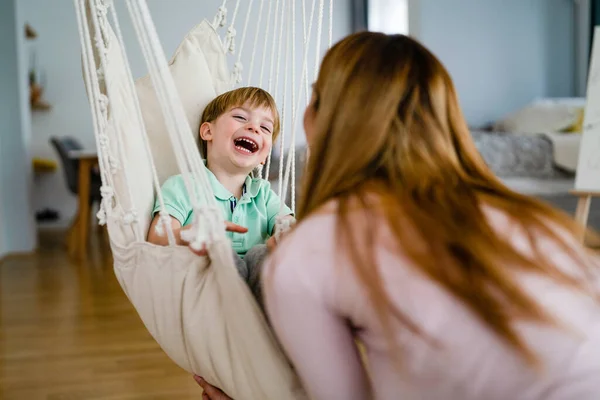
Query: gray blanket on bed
[
  {"x": 512, "y": 155},
  {"x": 509, "y": 155}
]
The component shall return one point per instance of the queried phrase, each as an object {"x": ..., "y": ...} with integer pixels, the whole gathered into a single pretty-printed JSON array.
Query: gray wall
[
  {"x": 17, "y": 232},
  {"x": 501, "y": 54}
]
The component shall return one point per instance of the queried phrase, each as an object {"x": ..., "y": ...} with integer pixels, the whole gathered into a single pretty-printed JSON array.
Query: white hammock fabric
[{"x": 202, "y": 315}]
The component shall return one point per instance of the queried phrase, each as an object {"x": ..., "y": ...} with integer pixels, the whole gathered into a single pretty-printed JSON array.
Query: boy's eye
[
  {"x": 239, "y": 117},
  {"x": 266, "y": 129}
]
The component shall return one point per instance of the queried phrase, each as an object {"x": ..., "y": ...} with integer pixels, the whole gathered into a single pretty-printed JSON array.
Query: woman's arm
[{"x": 318, "y": 341}]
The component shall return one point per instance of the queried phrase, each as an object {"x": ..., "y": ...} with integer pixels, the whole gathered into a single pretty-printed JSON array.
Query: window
[{"x": 388, "y": 16}]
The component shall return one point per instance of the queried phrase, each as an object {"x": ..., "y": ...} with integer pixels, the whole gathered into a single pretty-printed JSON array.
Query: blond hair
[
  {"x": 387, "y": 122},
  {"x": 256, "y": 97}
]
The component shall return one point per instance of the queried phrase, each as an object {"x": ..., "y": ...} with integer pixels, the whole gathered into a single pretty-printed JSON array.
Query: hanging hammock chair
[{"x": 201, "y": 313}]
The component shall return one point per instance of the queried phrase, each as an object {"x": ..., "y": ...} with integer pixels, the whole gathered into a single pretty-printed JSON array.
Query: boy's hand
[
  {"x": 271, "y": 243},
  {"x": 230, "y": 227}
]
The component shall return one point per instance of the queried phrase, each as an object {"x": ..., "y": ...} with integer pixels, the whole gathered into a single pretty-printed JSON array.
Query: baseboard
[{"x": 17, "y": 254}]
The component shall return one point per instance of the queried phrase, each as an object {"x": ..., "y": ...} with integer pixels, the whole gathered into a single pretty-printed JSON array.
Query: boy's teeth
[{"x": 250, "y": 142}]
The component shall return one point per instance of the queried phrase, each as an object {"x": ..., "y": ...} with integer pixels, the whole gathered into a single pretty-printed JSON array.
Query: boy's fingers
[
  {"x": 271, "y": 243},
  {"x": 231, "y": 227}
]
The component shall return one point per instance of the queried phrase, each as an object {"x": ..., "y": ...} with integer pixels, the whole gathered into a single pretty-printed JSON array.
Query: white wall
[
  {"x": 17, "y": 233},
  {"x": 58, "y": 54},
  {"x": 501, "y": 54}
]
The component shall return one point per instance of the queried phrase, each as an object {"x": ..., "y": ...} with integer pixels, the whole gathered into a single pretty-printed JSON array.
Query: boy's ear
[{"x": 205, "y": 133}]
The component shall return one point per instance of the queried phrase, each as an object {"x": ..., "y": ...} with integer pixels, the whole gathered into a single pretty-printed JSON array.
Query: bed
[{"x": 535, "y": 149}]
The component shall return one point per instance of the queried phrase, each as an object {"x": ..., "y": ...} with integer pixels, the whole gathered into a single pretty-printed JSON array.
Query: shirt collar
[{"x": 250, "y": 190}]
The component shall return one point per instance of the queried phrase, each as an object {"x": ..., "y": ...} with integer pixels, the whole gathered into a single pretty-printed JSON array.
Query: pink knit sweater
[{"x": 318, "y": 308}]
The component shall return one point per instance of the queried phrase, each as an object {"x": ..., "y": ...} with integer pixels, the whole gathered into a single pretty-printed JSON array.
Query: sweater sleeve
[{"x": 318, "y": 341}]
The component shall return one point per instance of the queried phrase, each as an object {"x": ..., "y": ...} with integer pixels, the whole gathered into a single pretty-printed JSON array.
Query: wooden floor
[{"x": 67, "y": 332}]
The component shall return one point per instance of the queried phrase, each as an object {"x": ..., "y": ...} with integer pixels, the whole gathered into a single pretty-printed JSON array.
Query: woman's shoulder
[{"x": 315, "y": 233}]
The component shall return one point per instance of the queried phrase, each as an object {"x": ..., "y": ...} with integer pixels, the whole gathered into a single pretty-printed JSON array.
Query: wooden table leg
[
  {"x": 85, "y": 166},
  {"x": 582, "y": 213}
]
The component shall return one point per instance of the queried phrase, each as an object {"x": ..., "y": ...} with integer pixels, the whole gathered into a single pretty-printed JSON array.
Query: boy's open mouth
[{"x": 246, "y": 145}]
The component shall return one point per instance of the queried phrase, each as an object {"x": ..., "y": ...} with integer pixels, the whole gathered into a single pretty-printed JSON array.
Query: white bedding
[{"x": 566, "y": 149}]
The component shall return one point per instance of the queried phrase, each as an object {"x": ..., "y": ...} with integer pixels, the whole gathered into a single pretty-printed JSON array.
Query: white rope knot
[
  {"x": 114, "y": 163},
  {"x": 103, "y": 102},
  {"x": 220, "y": 19},
  {"x": 230, "y": 39},
  {"x": 107, "y": 192},
  {"x": 237, "y": 71},
  {"x": 163, "y": 223},
  {"x": 100, "y": 44},
  {"x": 101, "y": 215},
  {"x": 130, "y": 217},
  {"x": 103, "y": 141},
  {"x": 102, "y": 9},
  {"x": 203, "y": 228},
  {"x": 282, "y": 225}
]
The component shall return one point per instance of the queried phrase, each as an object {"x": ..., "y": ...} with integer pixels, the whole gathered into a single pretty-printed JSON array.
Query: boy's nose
[{"x": 253, "y": 127}]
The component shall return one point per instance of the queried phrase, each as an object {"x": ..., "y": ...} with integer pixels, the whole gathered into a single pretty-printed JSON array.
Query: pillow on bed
[
  {"x": 539, "y": 118},
  {"x": 577, "y": 127}
]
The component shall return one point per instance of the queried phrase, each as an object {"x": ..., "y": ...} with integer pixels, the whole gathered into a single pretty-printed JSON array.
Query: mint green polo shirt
[{"x": 256, "y": 210}]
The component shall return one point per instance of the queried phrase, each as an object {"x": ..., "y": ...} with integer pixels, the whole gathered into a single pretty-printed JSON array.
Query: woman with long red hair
[{"x": 457, "y": 287}]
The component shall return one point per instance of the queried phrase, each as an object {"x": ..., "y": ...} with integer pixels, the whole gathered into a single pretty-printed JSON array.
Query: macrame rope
[
  {"x": 291, "y": 153},
  {"x": 278, "y": 84},
  {"x": 168, "y": 97},
  {"x": 283, "y": 104},
  {"x": 304, "y": 75},
  {"x": 100, "y": 19},
  {"x": 165, "y": 220},
  {"x": 238, "y": 66},
  {"x": 177, "y": 127},
  {"x": 265, "y": 43},
  {"x": 273, "y": 45},
  {"x": 91, "y": 79},
  {"x": 221, "y": 17},
  {"x": 187, "y": 150},
  {"x": 206, "y": 219},
  {"x": 231, "y": 32},
  {"x": 330, "y": 23},
  {"x": 319, "y": 32},
  {"x": 304, "y": 39},
  {"x": 307, "y": 36},
  {"x": 258, "y": 25},
  {"x": 267, "y": 170}
]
